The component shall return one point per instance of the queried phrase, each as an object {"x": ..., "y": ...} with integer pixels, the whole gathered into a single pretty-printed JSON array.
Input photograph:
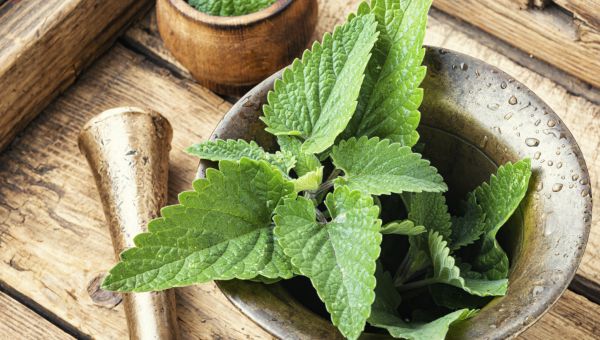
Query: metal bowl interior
[{"x": 474, "y": 117}]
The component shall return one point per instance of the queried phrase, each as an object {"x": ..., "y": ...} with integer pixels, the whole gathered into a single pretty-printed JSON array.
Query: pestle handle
[{"x": 128, "y": 151}]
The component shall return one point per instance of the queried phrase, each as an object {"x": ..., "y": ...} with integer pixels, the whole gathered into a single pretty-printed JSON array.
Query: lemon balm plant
[
  {"x": 345, "y": 116},
  {"x": 229, "y": 8}
]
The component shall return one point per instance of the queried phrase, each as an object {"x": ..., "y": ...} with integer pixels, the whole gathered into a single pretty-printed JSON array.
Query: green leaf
[
  {"x": 434, "y": 330},
  {"x": 384, "y": 314},
  {"x": 499, "y": 199},
  {"x": 429, "y": 210},
  {"x": 221, "y": 230},
  {"x": 406, "y": 227},
  {"x": 309, "y": 181},
  {"x": 445, "y": 271},
  {"x": 227, "y": 8},
  {"x": 305, "y": 162},
  {"x": 491, "y": 261},
  {"x": 456, "y": 298},
  {"x": 234, "y": 150},
  {"x": 387, "y": 298},
  {"x": 317, "y": 95},
  {"x": 339, "y": 256},
  {"x": 379, "y": 167},
  {"x": 390, "y": 95},
  {"x": 468, "y": 228}
]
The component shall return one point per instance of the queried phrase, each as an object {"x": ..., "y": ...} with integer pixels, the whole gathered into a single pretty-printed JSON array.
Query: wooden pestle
[{"x": 128, "y": 151}]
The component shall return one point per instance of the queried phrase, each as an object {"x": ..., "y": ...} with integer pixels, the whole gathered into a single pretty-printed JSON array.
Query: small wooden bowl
[
  {"x": 231, "y": 54},
  {"x": 474, "y": 117}
]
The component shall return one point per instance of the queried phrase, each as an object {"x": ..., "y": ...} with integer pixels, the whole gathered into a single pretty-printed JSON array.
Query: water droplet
[
  {"x": 477, "y": 73},
  {"x": 493, "y": 107},
  {"x": 503, "y": 85},
  {"x": 557, "y": 152},
  {"x": 585, "y": 192},
  {"x": 508, "y": 116},
  {"x": 559, "y": 165},
  {"x": 551, "y": 123},
  {"x": 537, "y": 122},
  {"x": 518, "y": 134},
  {"x": 464, "y": 66},
  {"x": 532, "y": 142},
  {"x": 557, "y": 187},
  {"x": 483, "y": 142},
  {"x": 539, "y": 187},
  {"x": 497, "y": 129},
  {"x": 575, "y": 177},
  {"x": 583, "y": 181},
  {"x": 571, "y": 186},
  {"x": 537, "y": 155},
  {"x": 512, "y": 100},
  {"x": 454, "y": 67},
  {"x": 550, "y": 163}
]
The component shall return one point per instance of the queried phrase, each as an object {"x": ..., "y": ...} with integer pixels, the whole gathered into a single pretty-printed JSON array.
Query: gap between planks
[{"x": 35, "y": 310}]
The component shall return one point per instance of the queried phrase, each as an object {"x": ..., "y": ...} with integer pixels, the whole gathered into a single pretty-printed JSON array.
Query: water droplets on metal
[
  {"x": 493, "y": 106},
  {"x": 551, "y": 123},
  {"x": 575, "y": 177},
  {"x": 483, "y": 142},
  {"x": 537, "y": 155},
  {"x": 508, "y": 116},
  {"x": 513, "y": 100},
  {"x": 464, "y": 66},
  {"x": 557, "y": 187},
  {"x": 503, "y": 85},
  {"x": 532, "y": 142},
  {"x": 550, "y": 163}
]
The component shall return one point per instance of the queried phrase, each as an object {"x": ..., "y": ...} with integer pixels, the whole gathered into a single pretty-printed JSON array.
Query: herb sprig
[
  {"x": 230, "y": 8},
  {"x": 347, "y": 110}
]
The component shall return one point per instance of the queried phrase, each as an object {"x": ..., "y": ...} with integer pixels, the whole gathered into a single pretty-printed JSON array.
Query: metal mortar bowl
[{"x": 474, "y": 118}]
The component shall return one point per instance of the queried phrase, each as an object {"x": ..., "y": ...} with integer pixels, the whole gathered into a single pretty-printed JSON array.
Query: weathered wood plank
[
  {"x": 586, "y": 10},
  {"x": 572, "y": 317},
  {"x": 44, "y": 46},
  {"x": 19, "y": 322},
  {"x": 548, "y": 34}
]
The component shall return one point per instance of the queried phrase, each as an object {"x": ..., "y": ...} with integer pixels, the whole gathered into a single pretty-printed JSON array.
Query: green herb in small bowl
[
  {"x": 230, "y": 8},
  {"x": 345, "y": 117}
]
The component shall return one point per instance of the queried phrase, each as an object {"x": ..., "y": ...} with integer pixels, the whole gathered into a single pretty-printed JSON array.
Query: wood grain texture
[
  {"x": 572, "y": 317},
  {"x": 19, "y": 322},
  {"x": 44, "y": 46},
  {"x": 586, "y": 10},
  {"x": 53, "y": 238},
  {"x": 550, "y": 34}
]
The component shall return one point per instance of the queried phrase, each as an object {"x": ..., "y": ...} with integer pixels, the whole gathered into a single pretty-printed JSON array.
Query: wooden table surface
[{"x": 54, "y": 245}]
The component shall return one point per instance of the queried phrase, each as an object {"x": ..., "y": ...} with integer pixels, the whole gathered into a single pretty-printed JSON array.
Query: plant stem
[
  {"x": 320, "y": 216},
  {"x": 417, "y": 284},
  {"x": 333, "y": 175}
]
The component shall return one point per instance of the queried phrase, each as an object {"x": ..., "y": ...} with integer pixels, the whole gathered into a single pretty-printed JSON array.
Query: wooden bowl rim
[{"x": 229, "y": 22}]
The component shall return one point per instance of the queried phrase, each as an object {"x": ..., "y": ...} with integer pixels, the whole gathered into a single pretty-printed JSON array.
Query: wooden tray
[{"x": 54, "y": 244}]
